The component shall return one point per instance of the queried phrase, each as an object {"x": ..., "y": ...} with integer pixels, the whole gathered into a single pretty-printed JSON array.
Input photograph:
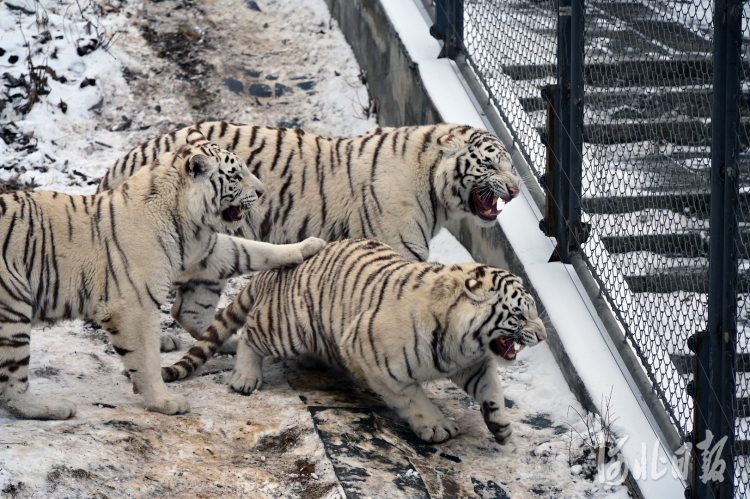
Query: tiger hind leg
[
  {"x": 195, "y": 304},
  {"x": 247, "y": 375},
  {"x": 481, "y": 381},
  {"x": 15, "y": 396}
]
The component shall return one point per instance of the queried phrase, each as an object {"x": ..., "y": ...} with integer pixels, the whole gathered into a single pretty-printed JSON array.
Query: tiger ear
[
  {"x": 449, "y": 144},
  {"x": 195, "y": 135},
  {"x": 198, "y": 165},
  {"x": 474, "y": 290}
]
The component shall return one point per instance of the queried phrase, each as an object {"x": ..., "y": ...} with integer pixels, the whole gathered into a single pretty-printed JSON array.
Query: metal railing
[{"x": 633, "y": 116}]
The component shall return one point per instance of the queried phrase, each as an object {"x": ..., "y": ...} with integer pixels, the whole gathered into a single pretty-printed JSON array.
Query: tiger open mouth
[
  {"x": 484, "y": 205},
  {"x": 232, "y": 214},
  {"x": 505, "y": 347}
]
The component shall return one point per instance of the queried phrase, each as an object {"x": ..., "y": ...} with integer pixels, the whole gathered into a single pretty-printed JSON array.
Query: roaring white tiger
[
  {"x": 390, "y": 322},
  {"x": 113, "y": 257},
  {"x": 396, "y": 185}
]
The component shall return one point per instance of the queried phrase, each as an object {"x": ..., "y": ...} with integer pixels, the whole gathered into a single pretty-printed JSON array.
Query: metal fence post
[
  {"x": 449, "y": 26},
  {"x": 576, "y": 237},
  {"x": 562, "y": 128},
  {"x": 568, "y": 129},
  {"x": 715, "y": 396}
]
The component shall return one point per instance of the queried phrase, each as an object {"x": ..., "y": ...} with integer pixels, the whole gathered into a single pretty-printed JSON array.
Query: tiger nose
[
  {"x": 540, "y": 338},
  {"x": 259, "y": 193},
  {"x": 513, "y": 191}
]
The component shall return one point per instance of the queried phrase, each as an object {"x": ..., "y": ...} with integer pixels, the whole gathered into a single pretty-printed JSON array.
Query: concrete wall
[{"x": 393, "y": 79}]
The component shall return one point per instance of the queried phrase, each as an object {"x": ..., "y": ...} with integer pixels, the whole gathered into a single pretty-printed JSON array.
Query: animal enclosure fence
[{"x": 633, "y": 116}]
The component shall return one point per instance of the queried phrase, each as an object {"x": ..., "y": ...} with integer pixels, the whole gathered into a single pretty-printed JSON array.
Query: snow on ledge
[{"x": 569, "y": 308}]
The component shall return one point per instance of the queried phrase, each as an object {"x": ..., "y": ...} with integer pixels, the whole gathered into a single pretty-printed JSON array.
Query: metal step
[
  {"x": 683, "y": 363},
  {"x": 682, "y": 132},
  {"x": 686, "y": 244},
  {"x": 694, "y": 204},
  {"x": 651, "y": 26},
  {"x": 671, "y": 280},
  {"x": 741, "y": 448},
  {"x": 679, "y": 71},
  {"x": 644, "y": 103}
]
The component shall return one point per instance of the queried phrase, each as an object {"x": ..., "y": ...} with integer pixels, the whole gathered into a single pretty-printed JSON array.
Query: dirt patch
[
  {"x": 61, "y": 479},
  {"x": 16, "y": 184},
  {"x": 13, "y": 490},
  {"x": 281, "y": 442},
  {"x": 317, "y": 490},
  {"x": 46, "y": 372},
  {"x": 185, "y": 47},
  {"x": 304, "y": 467}
]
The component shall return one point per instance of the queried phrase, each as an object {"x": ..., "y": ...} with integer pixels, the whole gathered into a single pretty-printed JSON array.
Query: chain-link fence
[
  {"x": 640, "y": 121},
  {"x": 646, "y": 176},
  {"x": 741, "y": 213}
]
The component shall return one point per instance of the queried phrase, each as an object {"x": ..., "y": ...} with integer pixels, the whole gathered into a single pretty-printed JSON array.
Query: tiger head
[
  {"x": 504, "y": 312},
  {"x": 222, "y": 190},
  {"x": 475, "y": 174}
]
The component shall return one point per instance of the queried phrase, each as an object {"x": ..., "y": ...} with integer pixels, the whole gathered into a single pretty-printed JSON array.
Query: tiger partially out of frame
[
  {"x": 113, "y": 257},
  {"x": 396, "y": 185},
  {"x": 389, "y": 322}
]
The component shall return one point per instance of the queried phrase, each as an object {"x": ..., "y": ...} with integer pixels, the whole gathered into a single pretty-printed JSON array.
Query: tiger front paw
[
  {"x": 171, "y": 403},
  {"x": 438, "y": 431},
  {"x": 30, "y": 406},
  {"x": 311, "y": 246},
  {"x": 245, "y": 383},
  {"x": 169, "y": 342},
  {"x": 497, "y": 422}
]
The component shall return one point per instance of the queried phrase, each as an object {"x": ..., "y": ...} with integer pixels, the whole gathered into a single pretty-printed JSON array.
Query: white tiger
[
  {"x": 390, "y": 322},
  {"x": 396, "y": 185},
  {"x": 113, "y": 257}
]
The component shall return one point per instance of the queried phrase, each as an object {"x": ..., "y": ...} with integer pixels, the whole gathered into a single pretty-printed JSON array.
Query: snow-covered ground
[{"x": 169, "y": 64}]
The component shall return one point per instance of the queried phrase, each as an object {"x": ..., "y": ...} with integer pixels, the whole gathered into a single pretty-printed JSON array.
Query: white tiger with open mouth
[{"x": 393, "y": 324}]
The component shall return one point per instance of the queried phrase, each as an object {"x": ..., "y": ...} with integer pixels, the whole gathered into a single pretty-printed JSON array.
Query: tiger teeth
[
  {"x": 494, "y": 200},
  {"x": 488, "y": 212}
]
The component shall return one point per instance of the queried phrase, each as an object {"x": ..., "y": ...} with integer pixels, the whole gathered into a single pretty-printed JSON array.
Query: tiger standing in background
[
  {"x": 389, "y": 322},
  {"x": 113, "y": 257},
  {"x": 396, "y": 185}
]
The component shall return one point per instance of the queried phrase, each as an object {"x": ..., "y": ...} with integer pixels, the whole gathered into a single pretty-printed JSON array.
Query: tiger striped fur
[
  {"x": 113, "y": 256},
  {"x": 396, "y": 185},
  {"x": 392, "y": 323}
]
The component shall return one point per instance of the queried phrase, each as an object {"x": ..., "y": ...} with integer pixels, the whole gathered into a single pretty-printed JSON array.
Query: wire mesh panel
[
  {"x": 511, "y": 46},
  {"x": 742, "y": 374},
  {"x": 646, "y": 177}
]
